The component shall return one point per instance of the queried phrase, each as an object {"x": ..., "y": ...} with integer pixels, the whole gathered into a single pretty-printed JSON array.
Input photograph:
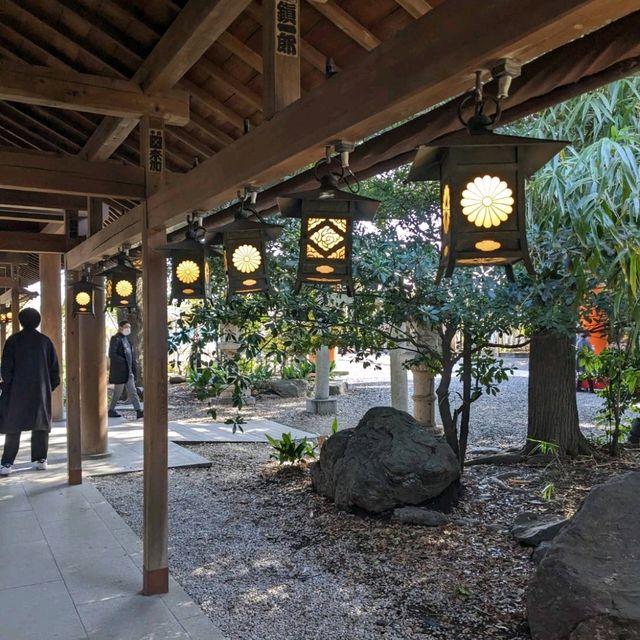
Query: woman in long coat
[{"x": 30, "y": 372}]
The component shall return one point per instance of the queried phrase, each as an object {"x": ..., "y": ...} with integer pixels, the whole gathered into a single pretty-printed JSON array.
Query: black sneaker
[{"x": 114, "y": 414}]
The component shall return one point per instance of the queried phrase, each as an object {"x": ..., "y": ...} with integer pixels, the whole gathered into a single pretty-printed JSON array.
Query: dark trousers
[{"x": 39, "y": 446}]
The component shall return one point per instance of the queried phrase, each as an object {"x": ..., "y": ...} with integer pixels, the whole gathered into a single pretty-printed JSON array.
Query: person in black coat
[
  {"x": 123, "y": 369},
  {"x": 30, "y": 372}
]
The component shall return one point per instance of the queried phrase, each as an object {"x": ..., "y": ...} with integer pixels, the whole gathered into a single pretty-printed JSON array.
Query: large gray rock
[
  {"x": 296, "y": 388},
  {"x": 387, "y": 461},
  {"x": 530, "y": 529},
  {"x": 587, "y": 585}
]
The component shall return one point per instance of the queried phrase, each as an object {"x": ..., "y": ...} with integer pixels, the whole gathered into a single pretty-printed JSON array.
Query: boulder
[
  {"x": 419, "y": 515},
  {"x": 338, "y": 387},
  {"x": 540, "y": 552},
  {"x": 177, "y": 379},
  {"x": 530, "y": 529},
  {"x": 296, "y": 388},
  {"x": 389, "y": 460},
  {"x": 587, "y": 583}
]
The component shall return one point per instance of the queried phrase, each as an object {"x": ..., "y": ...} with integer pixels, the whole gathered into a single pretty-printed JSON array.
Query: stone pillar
[
  {"x": 227, "y": 349},
  {"x": 93, "y": 378},
  {"x": 399, "y": 380},
  {"x": 322, "y": 404},
  {"x": 424, "y": 398},
  {"x": 51, "y": 312}
]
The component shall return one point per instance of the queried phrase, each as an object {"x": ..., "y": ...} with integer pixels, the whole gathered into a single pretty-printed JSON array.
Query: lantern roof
[
  {"x": 533, "y": 153},
  {"x": 361, "y": 207},
  {"x": 240, "y": 223},
  {"x": 123, "y": 264}
]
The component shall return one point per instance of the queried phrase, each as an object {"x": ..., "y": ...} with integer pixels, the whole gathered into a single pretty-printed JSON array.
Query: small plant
[
  {"x": 543, "y": 447},
  {"x": 334, "y": 426},
  {"x": 298, "y": 370},
  {"x": 549, "y": 492},
  {"x": 288, "y": 450}
]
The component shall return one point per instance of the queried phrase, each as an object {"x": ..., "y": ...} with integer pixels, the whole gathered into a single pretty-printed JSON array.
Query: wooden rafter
[
  {"x": 346, "y": 23},
  {"x": 26, "y": 242},
  {"x": 415, "y": 8},
  {"x": 193, "y": 31},
  {"x": 56, "y": 173},
  {"x": 42, "y": 86},
  {"x": 403, "y": 76},
  {"x": 41, "y": 200}
]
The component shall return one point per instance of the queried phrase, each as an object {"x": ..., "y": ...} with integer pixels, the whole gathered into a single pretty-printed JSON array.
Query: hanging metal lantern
[
  {"x": 121, "y": 284},
  {"x": 326, "y": 235},
  {"x": 189, "y": 264},
  {"x": 6, "y": 315},
  {"x": 83, "y": 293},
  {"x": 244, "y": 245},
  {"x": 482, "y": 178}
]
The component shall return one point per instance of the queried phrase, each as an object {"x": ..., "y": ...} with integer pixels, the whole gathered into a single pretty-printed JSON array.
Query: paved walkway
[{"x": 70, "y": 567}]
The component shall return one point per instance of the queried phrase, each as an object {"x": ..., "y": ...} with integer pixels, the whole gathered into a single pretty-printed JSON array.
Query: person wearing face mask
[{"x": 122, "y": 369}]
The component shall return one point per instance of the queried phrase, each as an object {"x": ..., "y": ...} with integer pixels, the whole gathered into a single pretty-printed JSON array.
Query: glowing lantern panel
[
  {"x": 482, "y": 176},
  {"x": 83, "y": 297}
]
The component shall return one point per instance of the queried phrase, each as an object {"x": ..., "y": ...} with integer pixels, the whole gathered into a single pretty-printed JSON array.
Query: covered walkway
[{"x": 72, "y": 569}]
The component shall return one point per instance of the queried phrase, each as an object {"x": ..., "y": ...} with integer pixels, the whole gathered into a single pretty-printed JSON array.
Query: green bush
[
  {"x": 299, "y": 369},
  {"x": 288, "y": 450}
]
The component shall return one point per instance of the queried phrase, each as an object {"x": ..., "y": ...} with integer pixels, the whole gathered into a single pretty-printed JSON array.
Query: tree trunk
[{"x": 553, "y": 411}]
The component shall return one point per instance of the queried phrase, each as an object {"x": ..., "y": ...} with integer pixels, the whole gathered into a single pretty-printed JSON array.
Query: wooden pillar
[
  {"x": 72, "y": 369},
  {"x": 51, "y": 312},
  {"x": 281, "y": 54},
  {"x": 93, "y": 362},
  {"x": 156, "y": 458},
  {"x": 3, "y": 335},
  {"x": 15, "y": 309}
]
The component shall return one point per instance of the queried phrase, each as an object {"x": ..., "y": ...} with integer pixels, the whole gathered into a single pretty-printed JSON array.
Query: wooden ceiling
[
  {"x": 113, "y": 38},
  {"x": 131, "y": 41}
]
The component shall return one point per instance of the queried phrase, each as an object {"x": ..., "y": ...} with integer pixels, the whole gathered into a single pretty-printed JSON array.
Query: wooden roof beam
[
  {"x": 193, "y": 31},
  {"x": 33, "y": 200},
  {"x": 346, "y": 23},
  {"x": 415, "y": 8},
  {"x": 28, "y": 242},
  {"x": 405, "y": 75},
  {"x": 46, "y": 87},
  {"x": 56, "y": 173}
]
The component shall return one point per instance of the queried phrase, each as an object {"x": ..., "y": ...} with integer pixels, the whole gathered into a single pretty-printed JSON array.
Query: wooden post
[
  {"x": 72, "y": 368},
  {"x": 3, "y": 335},
  {"x": 93, "y": 362},
  {"x": 281, "y": 54},
  {"x": 156, "y": 458},
  {"x": 51, "y": 311},
  {"x": 15, "y": 308}
]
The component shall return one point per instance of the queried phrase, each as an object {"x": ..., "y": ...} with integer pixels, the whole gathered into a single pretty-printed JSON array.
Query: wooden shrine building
[{"x": 120, "y": 117}]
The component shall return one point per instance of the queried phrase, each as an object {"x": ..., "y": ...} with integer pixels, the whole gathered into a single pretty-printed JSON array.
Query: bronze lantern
[
  {"x": 244, "y": 246},
  {"x": 189, "y": 264},
  {"x": 326, "y": 235},
  {"x": 121, "y": 284},
  {"x": 6, "y": 315},
  {"x": 482, "y": 190},
  {"x": 83, "y": 293}
]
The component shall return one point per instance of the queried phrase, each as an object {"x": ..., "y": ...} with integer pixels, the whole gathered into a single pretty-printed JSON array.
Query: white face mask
[{"x": 126, "y": 331}]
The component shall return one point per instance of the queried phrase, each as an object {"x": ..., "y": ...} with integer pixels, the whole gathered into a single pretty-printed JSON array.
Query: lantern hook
[{"x": 479, "y": 122}]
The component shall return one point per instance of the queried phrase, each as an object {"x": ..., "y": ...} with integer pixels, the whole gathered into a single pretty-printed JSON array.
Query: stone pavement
[{"x": 70, "y": 567}]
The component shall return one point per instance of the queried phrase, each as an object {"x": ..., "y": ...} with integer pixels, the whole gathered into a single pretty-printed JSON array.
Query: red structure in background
[{"x": 595, "y": 324}]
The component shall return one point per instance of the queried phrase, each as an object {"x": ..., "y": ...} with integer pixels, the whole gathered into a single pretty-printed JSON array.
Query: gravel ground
[
  {"x": 267, "y": 559},
  {"x": 499, "y": 421}
]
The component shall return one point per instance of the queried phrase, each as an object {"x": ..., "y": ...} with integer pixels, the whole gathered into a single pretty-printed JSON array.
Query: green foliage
[
  {"x": 289, "y": 451},
  {"x": 619, "y": 366},
  {"x": 543, "y": 447},
  {"x": 299, "y": 369},
  {"x": 549, "y": 492},
  {"x": 334, "y": 426}
]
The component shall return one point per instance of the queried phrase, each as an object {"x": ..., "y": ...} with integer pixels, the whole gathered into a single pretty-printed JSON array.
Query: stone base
[{"x": 322, "y": 407}]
